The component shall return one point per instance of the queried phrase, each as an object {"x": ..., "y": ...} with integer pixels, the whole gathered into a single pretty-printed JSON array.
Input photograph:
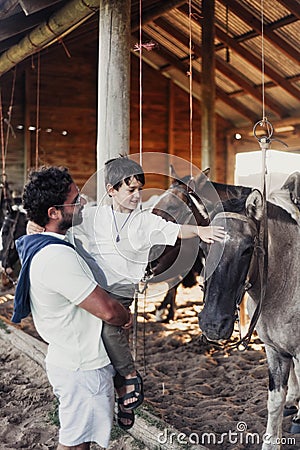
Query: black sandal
[
  {"x": 138, "y": 392},
  {"x": 129, "y": 415}
]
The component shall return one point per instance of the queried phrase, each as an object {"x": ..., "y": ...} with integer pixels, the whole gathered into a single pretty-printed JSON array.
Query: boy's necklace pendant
[{"x": 118, "y": 238}]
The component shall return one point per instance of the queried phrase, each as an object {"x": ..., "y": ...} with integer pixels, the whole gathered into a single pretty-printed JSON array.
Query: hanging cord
[
  {"x": 9, "y": 113},
  {"x": 190, "y": 73},
  {"x": 264, "y": 143},
  {"x": 136, "y": 293},
  {"x": 2, "y": 139},
  {"x": 141, "y": 89},
  {"x": 37, "y": 131},
  {"x": 262, "y": 60}
]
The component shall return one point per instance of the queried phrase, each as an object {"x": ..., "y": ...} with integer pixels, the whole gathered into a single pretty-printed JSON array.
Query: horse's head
[
  {"x": 227, "y": 265},
  {"x": 181, "y": 203},
  {"x": 292, "y": 184}
]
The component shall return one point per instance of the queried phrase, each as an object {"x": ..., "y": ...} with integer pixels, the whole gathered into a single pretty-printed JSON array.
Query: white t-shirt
[
  {"x": 60, "y": 280},
  {"x": 124, "y": 260}
]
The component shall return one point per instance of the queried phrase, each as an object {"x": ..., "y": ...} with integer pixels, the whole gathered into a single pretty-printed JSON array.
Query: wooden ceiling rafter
[
  {"x": 247, "y": 17},
  {"x": 225, "y": 68},
  {"x": 61, "y": 22},
  {"x": 292, "y": 6},
  {"x": 8, "y": 7},
  {"x": 183, "y": 66},
  {"x": 153, "y": 13},
  {"x": 256, "y": 62},
  {"x": 251, "y": 58}
]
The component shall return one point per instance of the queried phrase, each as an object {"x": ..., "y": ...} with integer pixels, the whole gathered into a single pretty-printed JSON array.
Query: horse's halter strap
[
  {"x": 243, "y": 342},
  {"x": 192, "y": 200}
]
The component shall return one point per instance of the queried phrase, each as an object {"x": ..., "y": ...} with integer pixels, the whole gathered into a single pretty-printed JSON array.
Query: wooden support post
[
  {"x": 208, "y": 117},
  {"x": 114, "y": 83}
]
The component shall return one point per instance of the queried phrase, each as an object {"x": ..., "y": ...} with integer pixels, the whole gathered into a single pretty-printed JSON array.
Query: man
[{"x": 67, "y": 308}]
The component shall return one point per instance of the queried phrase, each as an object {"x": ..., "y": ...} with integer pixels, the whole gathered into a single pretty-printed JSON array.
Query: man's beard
[{"x": 70, "y": 220}]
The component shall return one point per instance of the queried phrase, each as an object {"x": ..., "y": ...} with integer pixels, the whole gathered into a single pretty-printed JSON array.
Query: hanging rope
[
  {"x": 9, "y": 113},
  {"x": 140, "y": 89},
  {"x": 37, "y": 130},
  {"x": 262, "y": 60},
  {"x": 264, "y": 143},
  {"x": 190, "y": 73},
  {"x": 136, "y": 294},
  {"x": 2, "y": 139}
]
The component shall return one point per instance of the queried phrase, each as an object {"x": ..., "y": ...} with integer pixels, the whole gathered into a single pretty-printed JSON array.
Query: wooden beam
[
  {"x": 62, "y": 21},
  {"x": 113, "y": 84},
  {"x": 238, "y": 106},
  {"x": 252, "y": 59},
  {"x": 152, "y": 13},
  {"x": 208, "y": 88},
  {"x": 8, "y": 7},
  {"x": 33, "y": 6},
  {"x": 275, "y": 39},
  {"x": 223, "y": 67},
  {"x": 247, "y": 86},
  {"x": 182, "y": 65},
  {"x": 19, "y": 23},
  {"x": 292, "y": 6}
]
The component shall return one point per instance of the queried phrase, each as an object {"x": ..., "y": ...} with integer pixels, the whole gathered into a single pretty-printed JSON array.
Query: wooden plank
[{"x": 27, "y": 344}]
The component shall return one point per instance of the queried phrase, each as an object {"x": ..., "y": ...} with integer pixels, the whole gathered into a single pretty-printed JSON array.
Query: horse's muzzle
[{"x": 214, "y": 329}]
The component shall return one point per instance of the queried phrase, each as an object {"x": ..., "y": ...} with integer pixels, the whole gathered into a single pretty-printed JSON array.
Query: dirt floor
[{"x": 212, "y": 397}]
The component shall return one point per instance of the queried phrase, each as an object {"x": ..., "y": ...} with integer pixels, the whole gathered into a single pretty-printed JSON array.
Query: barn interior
[
  {"x": 180, "y": 81},
  {"x": 201, "y": 75}
]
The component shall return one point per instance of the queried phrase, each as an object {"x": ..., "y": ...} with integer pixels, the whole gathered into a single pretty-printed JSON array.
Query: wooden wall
[{"x": 68, "y": 102}]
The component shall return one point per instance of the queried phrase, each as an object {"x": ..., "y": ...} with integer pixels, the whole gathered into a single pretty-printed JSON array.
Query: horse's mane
[
  {"x": 275, "y": 212},
  {"x": 236, "y": 205},
  {"x": 232, "y": 190}
]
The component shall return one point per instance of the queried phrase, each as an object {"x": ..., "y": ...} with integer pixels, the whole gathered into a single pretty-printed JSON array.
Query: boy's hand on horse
[
  {"x": 211, "y": 234},
  {"x": 208, "y": 234},
  {"x": 33, "y": 228}
]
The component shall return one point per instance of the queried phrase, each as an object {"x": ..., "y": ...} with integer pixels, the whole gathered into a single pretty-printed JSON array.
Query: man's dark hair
[
  {"x": 121, "y": 169},
  {"x": 46, "y": 187}
]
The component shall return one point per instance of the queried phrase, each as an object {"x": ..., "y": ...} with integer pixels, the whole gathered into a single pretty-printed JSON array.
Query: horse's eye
[{"x": 247, "y": 252}]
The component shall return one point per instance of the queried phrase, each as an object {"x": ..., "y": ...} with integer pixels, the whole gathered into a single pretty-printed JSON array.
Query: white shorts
[{"x": 86, "y": 402}]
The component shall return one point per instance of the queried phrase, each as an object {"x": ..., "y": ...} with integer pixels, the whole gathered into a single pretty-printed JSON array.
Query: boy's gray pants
[{"x": 116, "y": 342}]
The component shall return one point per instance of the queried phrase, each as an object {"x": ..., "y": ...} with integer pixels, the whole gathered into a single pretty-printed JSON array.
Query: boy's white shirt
[{"x": 123, "y": 262}]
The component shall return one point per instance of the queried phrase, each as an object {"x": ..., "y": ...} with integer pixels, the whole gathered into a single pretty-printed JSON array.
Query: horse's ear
[
  {"x": 172, "y": 173},
  {"x": 254, "y": 205},
  {"x": 292, "y": 184},
  {"x": 201, "y": 179},
  {"x": 191, "y": 185}
]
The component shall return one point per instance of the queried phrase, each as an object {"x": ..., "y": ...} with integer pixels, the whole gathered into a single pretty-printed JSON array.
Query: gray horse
[{"x": 279, "y": 294}]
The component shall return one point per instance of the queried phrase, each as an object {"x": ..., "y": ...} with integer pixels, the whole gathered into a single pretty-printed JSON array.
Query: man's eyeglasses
[{"x": 77, "y": 202}]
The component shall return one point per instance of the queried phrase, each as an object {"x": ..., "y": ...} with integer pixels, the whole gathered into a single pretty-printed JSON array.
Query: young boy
[{"x": 120, "y": 237}]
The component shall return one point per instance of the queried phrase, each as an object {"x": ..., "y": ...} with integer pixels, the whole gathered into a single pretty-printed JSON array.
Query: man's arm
[{"x": 101, "y": 305}]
